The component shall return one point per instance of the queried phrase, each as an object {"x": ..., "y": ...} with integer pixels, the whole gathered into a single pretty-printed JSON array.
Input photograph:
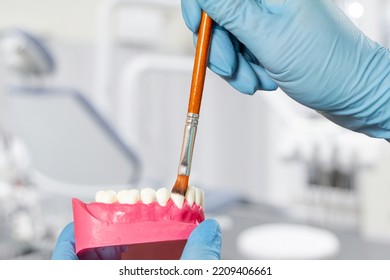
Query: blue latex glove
[
  {"x": 204, "y": 243},
  {"x": 309, "y": 48}
]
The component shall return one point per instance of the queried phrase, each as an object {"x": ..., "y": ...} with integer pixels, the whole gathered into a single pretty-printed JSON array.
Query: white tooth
[
  {"x": 109, "y": 196},
  {"x": 123, "y": 196},
  {"x": 134, "y": 196},
  {"x": 198, "y": 196},
  {"x": 148, "y": 195},
  {"x": 99, "y": 196},
  {"x": 178, "y": 199},
  {"x": 190, "y": 196},
  {"x": 202, "y": 200},
  {"x": 128, "y": 196},
  {"x": 162, "y": 196}
]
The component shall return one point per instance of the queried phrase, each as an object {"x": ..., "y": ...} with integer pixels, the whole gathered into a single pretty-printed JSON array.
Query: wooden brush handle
[
  {"x": 200, "y": 64},
  {"x": 198, "y": 77}
]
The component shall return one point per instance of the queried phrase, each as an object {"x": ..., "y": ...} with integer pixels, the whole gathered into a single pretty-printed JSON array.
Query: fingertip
[
  {"x": 266, "y": 82},
  {"x": 210, "y": 225},
  {"x": 67, "y": 233},
  {"x": 244, "y": 79},
  {"x": 208, "y": 230}
]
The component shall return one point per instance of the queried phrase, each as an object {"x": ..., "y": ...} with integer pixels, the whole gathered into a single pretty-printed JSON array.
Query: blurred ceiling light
[{"x": 355, "y": 10}]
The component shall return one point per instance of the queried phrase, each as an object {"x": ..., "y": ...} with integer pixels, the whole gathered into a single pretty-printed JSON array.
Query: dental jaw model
[{"x": 144, "y": 224}]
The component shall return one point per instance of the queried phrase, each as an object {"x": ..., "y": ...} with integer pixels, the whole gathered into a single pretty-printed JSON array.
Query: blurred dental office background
[{"x": 93, "y": 96}]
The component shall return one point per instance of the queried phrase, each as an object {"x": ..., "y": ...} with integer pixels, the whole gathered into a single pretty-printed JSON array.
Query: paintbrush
[{"x": 196, "y": 91}]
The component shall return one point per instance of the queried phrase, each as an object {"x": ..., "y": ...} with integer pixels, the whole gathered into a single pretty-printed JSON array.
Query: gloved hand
[
  {"x": 204, "y": 243},
  {"x": 65, "y": 248},
  {"x": 309, "y": 48}
]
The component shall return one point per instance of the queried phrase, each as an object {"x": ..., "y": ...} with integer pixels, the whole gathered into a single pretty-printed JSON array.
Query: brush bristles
[{"x": 181, "y": 185}]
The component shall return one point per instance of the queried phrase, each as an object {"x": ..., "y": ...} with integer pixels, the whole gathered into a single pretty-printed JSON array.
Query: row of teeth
[{"x": 149, "y": 195}]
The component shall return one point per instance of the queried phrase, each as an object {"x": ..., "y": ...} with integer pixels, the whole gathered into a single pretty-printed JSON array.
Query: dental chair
[{"x": 73, "y": 148}]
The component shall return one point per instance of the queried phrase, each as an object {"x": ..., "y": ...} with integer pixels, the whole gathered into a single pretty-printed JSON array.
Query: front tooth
[
  {"x": 148, "y": 195},
  {"x": 178, "y": 199},
  {"x": 162, "y": 196},
  {"x": 198, "y": 196},
  {"x": 109, "y": 196},
  {"x": 134, "y": 196},
  {"x": 202, "y": 200},
  {"x": 128, "y": 196},
  {"x": 190, "y": 196},
  {"x": 99, "y": 196},
  {"x": 122, "y": 196}
]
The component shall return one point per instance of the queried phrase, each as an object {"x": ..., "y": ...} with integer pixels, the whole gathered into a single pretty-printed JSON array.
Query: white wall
[
  {"x": 72, "y": 20},
  {"x": 374, "y": 20}
]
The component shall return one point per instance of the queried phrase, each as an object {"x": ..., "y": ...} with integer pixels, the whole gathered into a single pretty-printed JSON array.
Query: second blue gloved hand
[
  {"x": 204, "y": 243},
  {"x": 309, "y": 48}
]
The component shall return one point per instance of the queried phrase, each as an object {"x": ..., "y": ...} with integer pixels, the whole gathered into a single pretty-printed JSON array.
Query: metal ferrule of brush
[{"x": 188, "y": 144}]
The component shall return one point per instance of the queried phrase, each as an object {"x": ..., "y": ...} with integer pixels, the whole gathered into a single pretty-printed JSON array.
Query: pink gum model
[{"x": 151, "y": 231}]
